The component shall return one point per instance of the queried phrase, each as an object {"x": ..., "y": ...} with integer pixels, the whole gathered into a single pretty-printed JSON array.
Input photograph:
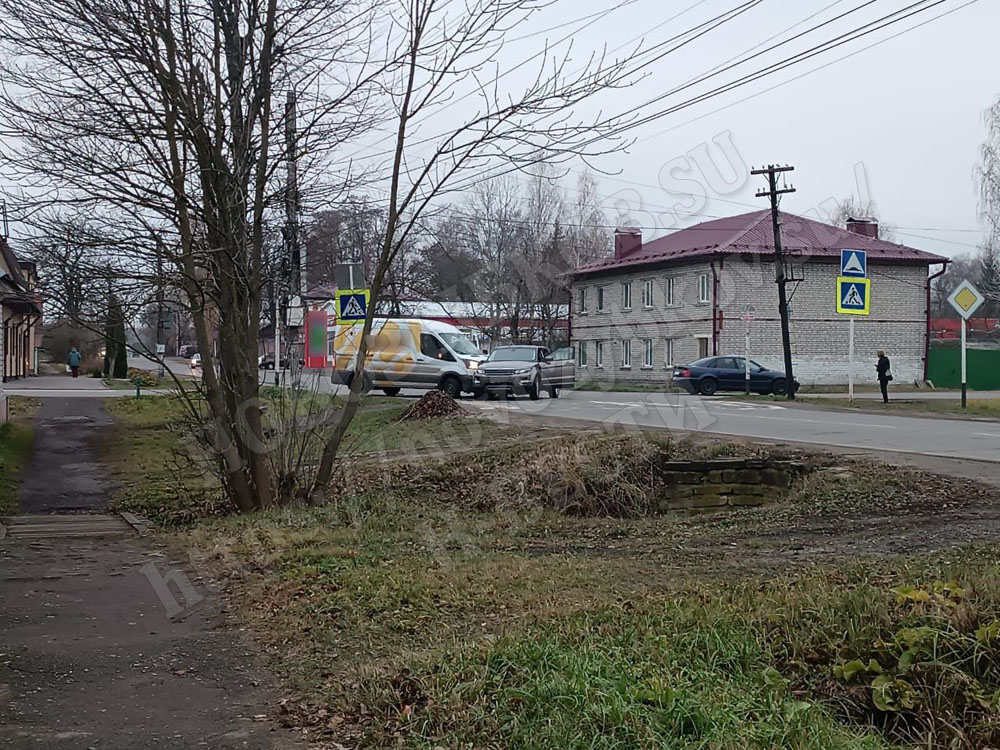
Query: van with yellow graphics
[{"x": 408, "y": 353}]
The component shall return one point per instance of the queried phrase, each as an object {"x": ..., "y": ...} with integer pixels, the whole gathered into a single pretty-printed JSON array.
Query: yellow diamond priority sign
[{"x": 966, "y": 299}]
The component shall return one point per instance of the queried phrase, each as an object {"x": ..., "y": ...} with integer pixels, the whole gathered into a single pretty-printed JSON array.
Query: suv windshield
[
  {"x": 460, "y": 344},
  {"x": 513, "y": 354}
]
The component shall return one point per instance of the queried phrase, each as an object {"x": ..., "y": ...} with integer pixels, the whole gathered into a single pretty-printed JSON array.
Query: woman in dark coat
[{"x": 884, "y": 375}]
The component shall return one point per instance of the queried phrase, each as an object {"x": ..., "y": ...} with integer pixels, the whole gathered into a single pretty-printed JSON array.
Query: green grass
[
  {"x": 16, "y": 443},
  {"x": 163, "y": 476},
  {"x": 421, "y": 627},
  {"x": 17, "y": 440},
  {"x": 975, "y": 407}
]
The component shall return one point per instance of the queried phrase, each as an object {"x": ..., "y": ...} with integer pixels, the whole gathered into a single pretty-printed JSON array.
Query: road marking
[{"x": 987, "y": 434}]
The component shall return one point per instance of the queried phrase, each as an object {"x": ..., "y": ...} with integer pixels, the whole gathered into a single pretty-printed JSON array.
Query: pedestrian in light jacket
[
  {"x": 884, "y": 375},
  {"x": 74, "y": 362}
]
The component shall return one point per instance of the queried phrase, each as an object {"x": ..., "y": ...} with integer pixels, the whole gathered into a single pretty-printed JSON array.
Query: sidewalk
[
  {"x": 55, "y": 382},
  {"x": 98, "y": 651}
]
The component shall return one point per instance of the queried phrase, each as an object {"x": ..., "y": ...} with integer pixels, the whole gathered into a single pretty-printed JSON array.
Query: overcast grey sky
[
  {"x": 910, "y": 110},
  {"x": 905, "y": 115}
]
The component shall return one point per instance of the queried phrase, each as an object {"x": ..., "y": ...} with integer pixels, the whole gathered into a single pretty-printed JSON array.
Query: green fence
[{"x": 945, "y": 368}]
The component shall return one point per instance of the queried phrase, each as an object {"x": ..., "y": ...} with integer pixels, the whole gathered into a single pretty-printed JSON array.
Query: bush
[{"x": 145, "y": 377}]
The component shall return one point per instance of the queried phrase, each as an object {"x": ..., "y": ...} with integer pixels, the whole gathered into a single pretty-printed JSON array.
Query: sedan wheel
[
  {"x": 779, "y": 387},
  {"x": 708, "y": 386}
]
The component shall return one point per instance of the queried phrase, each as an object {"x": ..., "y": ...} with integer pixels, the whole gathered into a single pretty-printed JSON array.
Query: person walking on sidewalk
[
  {"x": 884, "y": 375},
  {"x": 74, "y": 362}
]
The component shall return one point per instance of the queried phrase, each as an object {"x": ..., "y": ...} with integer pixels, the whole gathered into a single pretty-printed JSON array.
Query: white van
[{"x": 408, "y": 353}]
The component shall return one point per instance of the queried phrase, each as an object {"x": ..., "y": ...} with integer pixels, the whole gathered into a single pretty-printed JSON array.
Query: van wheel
[
  {"x": 366, "y": 384},
  {"x": 390, "y": 391},
  {"x": 452, "y": 386}
]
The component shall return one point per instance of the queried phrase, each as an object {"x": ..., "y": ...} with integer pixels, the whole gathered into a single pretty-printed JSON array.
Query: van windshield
[{"x": 460, "y": 344}]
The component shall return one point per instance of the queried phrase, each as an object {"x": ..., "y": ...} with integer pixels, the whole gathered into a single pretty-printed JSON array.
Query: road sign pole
[
  {"x": 850, "y": 363},
  {"x": 747, "y": 360},
  {"x": 964, "y": 324}
]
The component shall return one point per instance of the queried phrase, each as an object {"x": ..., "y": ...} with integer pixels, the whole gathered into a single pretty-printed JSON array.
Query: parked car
[
  {"x": 409, "y": 353},
  {"x": 187, "y": 351},
  {"x": 266, "y": 362},
  {"x": 728, "y": 373},
  {"x": 195, "y": 361},
  {"x": 524, "y": 370}
]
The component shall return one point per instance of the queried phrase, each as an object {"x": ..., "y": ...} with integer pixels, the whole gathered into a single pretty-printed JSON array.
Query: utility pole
[
  {"x": 290, "y": 267},
  {"x": 780, "y": 277},
  {"x": 161, "y": 341}
]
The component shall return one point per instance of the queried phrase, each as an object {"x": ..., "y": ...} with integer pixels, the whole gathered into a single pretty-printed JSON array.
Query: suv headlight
[{"x": 523, "y": 372}]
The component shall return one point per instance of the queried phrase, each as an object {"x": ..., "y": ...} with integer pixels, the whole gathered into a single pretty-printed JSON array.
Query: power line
[
  {"x": 698, "y": 29},
  {"x": 753, "y": 77},
  {"x": 884, "y": 22},
  {"x": 807, "y": 73}
]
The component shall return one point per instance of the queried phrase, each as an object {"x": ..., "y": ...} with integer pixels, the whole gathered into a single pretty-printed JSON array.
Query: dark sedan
[{"x": 711, "y": 374}]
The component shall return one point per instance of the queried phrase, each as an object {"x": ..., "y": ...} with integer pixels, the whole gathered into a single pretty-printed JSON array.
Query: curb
[{"x": 139, "y": 525}]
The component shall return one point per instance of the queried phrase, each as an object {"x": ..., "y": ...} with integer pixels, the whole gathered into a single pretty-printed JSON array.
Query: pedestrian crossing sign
[
  {"x": 352, "y": 306},
  {"x": 853, "y": 296}
]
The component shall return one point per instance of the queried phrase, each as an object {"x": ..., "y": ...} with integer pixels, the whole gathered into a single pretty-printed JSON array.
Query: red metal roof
[{"x": 751, "y": 233}]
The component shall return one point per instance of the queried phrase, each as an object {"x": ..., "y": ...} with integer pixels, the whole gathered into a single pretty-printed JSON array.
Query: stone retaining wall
[{"x": 724, "y": 482}]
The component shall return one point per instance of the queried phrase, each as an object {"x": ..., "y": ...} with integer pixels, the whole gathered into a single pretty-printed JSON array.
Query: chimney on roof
[
  {"x": 628, "y": 240},
  {"x": 866, "y": 227}
]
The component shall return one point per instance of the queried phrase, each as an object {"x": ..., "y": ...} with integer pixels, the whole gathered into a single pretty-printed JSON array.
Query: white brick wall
[{"x": 897, "y": 322}]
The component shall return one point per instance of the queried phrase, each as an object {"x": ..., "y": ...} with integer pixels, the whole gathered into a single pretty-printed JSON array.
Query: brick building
[{"x": 681, "y": 297}]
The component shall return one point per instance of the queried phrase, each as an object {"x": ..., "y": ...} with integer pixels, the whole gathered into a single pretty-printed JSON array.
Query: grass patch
[
  {"x": 406, "y": 623},
  {"x": 161, "y": 477},
  {"x": 983, "y": 407},
  {"x": 16, "y": 441}
]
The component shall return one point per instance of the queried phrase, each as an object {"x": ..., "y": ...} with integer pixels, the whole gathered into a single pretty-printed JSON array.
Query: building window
[
  {"x": 626, "y": 353},
  {"x": 703, "y": 288},
  {"x": 668, "y": 352},
  {"x": 702, "y": 347},
  {"x": 647, "y": 293},
  {"x": 599, "y": 353},
  {"x": 627, "y": 295},
  {"x": 647, "y": 353},
  {"x": 669, "y": 292},
  {"x": 600, "y": 299},
  {"x": 583, "y": 300},
  {"x": 581, "y": 354}
]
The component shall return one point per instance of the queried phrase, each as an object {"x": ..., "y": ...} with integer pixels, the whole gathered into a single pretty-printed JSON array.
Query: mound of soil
[{"x": 434, "y": 405}]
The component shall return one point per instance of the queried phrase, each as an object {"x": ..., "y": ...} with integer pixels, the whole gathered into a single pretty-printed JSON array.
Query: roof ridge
[{"x": 754, "y": 223}]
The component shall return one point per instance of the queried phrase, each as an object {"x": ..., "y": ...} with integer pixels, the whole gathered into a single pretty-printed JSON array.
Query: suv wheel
[{"x": 535, "y": 389}]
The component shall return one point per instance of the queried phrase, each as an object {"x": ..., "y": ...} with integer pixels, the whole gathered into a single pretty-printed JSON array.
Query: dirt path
[{"x": 97, "y": 650}]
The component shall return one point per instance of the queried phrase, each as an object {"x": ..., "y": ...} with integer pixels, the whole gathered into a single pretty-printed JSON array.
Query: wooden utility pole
[{"x": 780, "y": 276}]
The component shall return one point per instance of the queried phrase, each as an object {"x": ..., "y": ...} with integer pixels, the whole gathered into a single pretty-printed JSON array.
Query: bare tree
[
  {"x": 445, "y": 47},
  {"x": 988, "y": 173},
  {"x": 849, "y": 208},
  {"x": 165, "y": 117}
]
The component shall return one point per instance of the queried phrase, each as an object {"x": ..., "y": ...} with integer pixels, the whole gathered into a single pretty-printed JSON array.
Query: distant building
[
  {"x": 22, "y": 313},
  {"x": 681, "y": 297}
]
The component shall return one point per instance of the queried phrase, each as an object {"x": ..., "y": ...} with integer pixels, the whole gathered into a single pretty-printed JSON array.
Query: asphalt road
[{"x": 950, "y": 438}]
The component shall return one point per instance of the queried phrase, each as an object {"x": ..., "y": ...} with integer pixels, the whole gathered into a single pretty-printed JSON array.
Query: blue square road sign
[{"x": 854, "y": 263}]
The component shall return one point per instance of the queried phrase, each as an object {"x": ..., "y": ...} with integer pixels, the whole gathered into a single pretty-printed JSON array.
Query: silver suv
[{"x": 517, "y": 370}]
